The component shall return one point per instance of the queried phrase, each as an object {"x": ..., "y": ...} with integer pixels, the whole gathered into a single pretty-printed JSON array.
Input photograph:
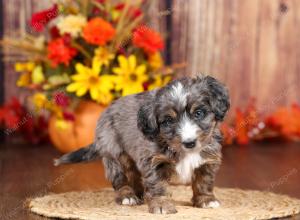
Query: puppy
[{"x": 147, "y": 138}]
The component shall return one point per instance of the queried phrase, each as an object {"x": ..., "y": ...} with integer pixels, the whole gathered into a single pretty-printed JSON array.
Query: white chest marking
[{"x": 187, "y": 165}]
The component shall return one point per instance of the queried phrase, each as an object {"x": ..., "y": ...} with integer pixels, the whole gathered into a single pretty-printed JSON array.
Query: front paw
[
  {"x": 161, "y": 206},
  {"x": 126, "y": 196},
  {"x": 205, "y": 201}
]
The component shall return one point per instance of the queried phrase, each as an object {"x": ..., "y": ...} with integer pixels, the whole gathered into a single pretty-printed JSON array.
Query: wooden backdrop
[{"x": 253, "y": 46}]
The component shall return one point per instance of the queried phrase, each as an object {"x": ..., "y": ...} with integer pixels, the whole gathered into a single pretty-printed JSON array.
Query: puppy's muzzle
[{"x": 189, "y": 144}]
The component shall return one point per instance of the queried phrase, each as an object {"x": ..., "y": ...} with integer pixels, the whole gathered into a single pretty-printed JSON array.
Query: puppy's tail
[{"x": 85, "y": 154}]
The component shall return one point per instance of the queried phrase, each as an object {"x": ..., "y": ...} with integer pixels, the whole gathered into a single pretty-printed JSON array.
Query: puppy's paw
[
  {"x": 205, "y": 201},
  {"x": 161, "y": 206},
  {"x": 126, "y": 196},
  {"x": 130, "y": 201}
]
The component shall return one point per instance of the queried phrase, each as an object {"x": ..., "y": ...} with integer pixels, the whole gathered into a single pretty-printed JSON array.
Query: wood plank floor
[{"x": 27, "y": 171}]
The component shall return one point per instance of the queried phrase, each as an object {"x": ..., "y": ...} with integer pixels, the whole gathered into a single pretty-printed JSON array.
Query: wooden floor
[{"x": 27, "y": 171}]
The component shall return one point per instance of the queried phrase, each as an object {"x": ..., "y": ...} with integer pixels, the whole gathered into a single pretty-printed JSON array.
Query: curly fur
[{"x": 147, "y": 138}]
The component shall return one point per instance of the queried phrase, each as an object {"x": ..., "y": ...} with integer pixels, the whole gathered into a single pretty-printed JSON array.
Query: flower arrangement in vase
[{"x": 87, "y": 52}]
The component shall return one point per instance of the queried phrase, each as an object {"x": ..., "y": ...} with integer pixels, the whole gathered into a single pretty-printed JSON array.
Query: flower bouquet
[{"x": 87, "y": 50}]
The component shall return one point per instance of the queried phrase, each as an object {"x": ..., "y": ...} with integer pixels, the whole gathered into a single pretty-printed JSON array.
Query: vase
[{"x": 80, "y": 132}]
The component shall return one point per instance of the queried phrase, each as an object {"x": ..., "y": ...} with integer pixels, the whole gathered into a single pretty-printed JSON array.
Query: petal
[
  {"x": 107, "y": 82},
  {"x": 132, "y": 89},
  {"x": 81, "y": 68},
  {"x": 120, "y": 83},
  {"x": 105, "y": 98},
  {"x": 123, "y": 62},
  {"x": 132, "y": 63},
  {"x": 96, "y": 66},
  {"x": 81, "y": 91},
  {"x": 80, "y": 77},
  {"x": 74, "y": 86},
  {"x": 118, "y": 70},
  {"x": 94, "y": 92},
  {"x": 142, "y": 78},
  {"x": 140, "y": 69}
]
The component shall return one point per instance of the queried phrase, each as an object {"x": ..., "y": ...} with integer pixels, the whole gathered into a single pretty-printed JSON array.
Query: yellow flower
[
  {"x": 40, "y": 101},
  {"x": 88, "y": 80},
  {"x": 24, "y": 67},
  {"x": 37, "y": 76},
  {"x": 155, "y": 61},
  {"x": 130, "y": 77},
  {"x": 159, "y": 81},
  {"x": 103, "y": 55},
  {"x": 24, "y": 80},
  {"x": 72, "y": 24}
]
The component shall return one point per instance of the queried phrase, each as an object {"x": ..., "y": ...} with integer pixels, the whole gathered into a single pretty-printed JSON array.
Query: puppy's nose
[{"x": 189, "y": 144}]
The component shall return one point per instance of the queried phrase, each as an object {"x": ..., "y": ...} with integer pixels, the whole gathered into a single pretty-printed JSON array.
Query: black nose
[{"x": 189, "y": 144}]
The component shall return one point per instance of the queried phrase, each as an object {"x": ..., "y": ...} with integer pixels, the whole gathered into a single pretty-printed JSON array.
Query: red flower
[
  {"x": 61, "y": 99},
  {"x": 11, "y": 114},
  {"x": 54, "y": 32},
  {"x": 98, "y": 31},
  {"x": 60, "y": 52},
  {"x": 40, "y": 19},
  {"x": 147, "y": 39}
]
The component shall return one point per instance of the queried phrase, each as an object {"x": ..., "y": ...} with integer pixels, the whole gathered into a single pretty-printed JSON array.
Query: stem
[
  {"x": 82, "y": 50},
  {"x": 98, "y": 5}
]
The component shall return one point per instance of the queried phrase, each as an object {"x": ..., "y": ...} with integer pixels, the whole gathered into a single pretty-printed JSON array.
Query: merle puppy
[{"x": 144, "y": 140}]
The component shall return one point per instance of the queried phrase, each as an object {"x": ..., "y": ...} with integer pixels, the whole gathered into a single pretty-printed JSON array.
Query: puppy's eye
[
  {"x": 167, "y": 121},
  {"x": 200, "y": 113}
]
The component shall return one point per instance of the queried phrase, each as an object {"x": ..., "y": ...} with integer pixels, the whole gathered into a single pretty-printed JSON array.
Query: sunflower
[
  {"x": 103, "y": 55},
  {"x": 130, "y": 77},
  {"x": 88, "y": 80}
]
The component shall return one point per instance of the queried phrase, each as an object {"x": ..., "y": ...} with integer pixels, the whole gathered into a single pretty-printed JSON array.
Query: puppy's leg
[
  {"x": 125, "y": 195},
  {"x": 202, "y": 184},
  {"x": 133, "y": 175},
  {"x": 154, "y": 180}
]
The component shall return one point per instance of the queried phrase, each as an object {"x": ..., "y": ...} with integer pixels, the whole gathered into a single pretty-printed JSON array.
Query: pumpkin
[{"x": 80, "y": 132}]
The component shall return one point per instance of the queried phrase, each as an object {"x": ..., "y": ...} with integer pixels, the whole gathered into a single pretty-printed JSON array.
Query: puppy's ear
[
  {"x": 219, "y": 97},
  {"x": 146, "y": 121}
]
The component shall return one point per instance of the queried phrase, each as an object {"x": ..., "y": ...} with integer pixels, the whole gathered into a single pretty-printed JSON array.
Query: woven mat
[{"x": 235, "y": 204}]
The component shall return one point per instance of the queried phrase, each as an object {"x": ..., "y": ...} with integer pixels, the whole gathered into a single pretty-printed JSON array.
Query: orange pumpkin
[{"x": 81, "y": 132}]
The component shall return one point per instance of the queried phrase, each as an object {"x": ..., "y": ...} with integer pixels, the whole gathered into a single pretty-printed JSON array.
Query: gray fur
[{"x": 135, "y": 134}]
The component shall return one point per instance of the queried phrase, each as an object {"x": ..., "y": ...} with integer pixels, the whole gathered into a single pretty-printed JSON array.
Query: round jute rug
[{"x": 235, "y": 204}]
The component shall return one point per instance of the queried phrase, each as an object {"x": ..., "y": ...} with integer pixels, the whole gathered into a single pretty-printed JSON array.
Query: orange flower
[
  {"x": 147, "y": 39},
  {"x": 98, "y": 31},
  {"x": 59, "y": 52},
  {"x": 286, "y": 120}
]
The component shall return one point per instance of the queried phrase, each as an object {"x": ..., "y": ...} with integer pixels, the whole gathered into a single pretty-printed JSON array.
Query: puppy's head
[{"x": 184, "y": 113}]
